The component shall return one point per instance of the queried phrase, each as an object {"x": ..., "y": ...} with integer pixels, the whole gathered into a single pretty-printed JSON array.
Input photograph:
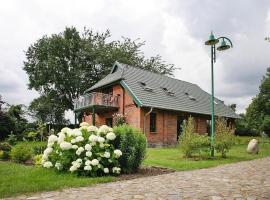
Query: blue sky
[{"x": 174, "y": 29}]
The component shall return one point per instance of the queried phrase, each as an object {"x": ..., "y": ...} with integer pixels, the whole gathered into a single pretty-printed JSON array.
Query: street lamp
[{"x": 223, "y": 46}]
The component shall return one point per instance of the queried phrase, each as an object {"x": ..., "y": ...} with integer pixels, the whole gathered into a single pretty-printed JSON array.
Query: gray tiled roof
[{"x": 158, "y": 98}]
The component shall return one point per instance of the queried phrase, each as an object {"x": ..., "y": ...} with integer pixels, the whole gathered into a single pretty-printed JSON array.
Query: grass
[
  {"x": 173, "y": 157},
  {"x": 18, "y": 179}
]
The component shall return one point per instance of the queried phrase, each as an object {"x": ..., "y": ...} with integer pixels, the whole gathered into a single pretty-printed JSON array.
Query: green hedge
[{"x": 132, "y": 143}]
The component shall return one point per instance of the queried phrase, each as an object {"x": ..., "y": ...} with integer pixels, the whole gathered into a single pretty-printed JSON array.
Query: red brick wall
[{"x": 166, "y": 124}]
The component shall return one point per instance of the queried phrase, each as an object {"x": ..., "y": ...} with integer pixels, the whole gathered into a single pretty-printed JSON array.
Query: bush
[
  {"x": 38, "y": 160},
  {"x": 85, "y": 151},
  {"x": 132, "y": 143},
  {"x": 38, "y": 147},
  {"x": 21, "y": 153},
  {"x": 224, "y": 137},
  {"x": 5, "y": 149},
  {"x": 119, "y": 119},
  {"x": 191, "y": 142}
]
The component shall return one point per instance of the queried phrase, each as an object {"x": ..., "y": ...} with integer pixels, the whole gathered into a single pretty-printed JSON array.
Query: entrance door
[
  {"x": 180, "y": 120},
  {"x": 109, "y": 122}
]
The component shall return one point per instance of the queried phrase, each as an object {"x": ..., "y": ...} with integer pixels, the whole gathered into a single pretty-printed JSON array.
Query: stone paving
[{"x": 245, "y": 180}]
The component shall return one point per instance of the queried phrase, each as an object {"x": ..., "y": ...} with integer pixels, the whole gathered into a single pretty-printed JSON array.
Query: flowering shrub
[
  {"x": 85, "y": 151},
  {"x": 119, "y": 119}
]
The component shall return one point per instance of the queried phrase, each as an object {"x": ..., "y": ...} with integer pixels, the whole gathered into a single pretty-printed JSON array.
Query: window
[
  {"x": 109, "y": 122},
  {"x": 190, "y": 96},
  {"x": 153, "y": 118},
  {"x": 170, "y": 93},
  {"x": 146, "y": 88}
]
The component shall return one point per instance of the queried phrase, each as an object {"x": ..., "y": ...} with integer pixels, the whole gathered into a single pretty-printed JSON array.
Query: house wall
[{"x": 166, "y": 121}]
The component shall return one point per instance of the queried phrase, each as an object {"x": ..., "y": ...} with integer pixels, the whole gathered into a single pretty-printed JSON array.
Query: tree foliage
[
  {"x": 68, "y": 63},
  {"x": 47, "y": 109},
  {"x": 258, "y": 112}
]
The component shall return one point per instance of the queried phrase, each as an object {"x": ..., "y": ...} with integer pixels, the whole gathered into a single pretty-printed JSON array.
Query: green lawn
[
  {"x": 20, "y": 179},
  {"x": 173, "y": 157}
]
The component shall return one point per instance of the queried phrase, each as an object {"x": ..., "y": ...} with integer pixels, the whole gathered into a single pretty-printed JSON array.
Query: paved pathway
[{"x": 245, "y": 180}]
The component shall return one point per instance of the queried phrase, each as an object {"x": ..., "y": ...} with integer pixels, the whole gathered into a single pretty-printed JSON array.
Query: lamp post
[{"x": 212, "y": 41}]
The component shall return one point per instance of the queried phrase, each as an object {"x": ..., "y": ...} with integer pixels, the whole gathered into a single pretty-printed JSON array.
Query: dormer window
[
  {"x": 167, "y": 91},
  {"x": 146, "y": 88},
  {"x": 190, "y": 96}
]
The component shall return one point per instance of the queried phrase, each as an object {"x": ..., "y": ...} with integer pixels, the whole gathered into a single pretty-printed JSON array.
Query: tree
[
  {"x": 12, "y": 120},
  {"x": 258, "y": 112},
  {"x": 47, "y": 109},
  {"x": 68, "y": 63},
  {"x": 233, "y": 107}
]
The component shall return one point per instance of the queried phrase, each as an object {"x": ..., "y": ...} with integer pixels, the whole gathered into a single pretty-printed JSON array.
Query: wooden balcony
[{"x": 97, "y": 100}]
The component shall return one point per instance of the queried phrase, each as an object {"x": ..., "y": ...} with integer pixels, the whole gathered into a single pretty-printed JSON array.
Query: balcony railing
[{"x": 96, "y": 99}]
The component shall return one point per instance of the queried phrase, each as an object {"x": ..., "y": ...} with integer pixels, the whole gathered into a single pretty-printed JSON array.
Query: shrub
[
  {"x": 5, "y": 148},
  {"x": 191, "y": 142},
  {"x": 85, "y": 151},
  {"x": 12, "y": 139},
  {"x": 21, "y": 153},
  {"x": 38, "y": 147},
  {"x": 132, "y": 143},
  {"x": 224, "y": 137},
  {"x": 38, "y": 159},
  {"x": 119, "y": 119}
]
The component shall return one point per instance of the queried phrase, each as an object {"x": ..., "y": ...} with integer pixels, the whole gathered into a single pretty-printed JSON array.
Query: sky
[{"x": 174, "y": 29}]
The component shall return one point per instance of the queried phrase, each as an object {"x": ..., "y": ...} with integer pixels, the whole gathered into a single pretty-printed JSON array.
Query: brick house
[{"x": 155, "y": 103}]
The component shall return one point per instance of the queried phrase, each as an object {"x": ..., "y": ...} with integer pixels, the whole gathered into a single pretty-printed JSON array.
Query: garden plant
[{"x": 85, "y": 151}]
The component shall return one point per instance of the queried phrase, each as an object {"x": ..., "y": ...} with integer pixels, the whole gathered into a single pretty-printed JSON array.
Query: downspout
[{"x": 144, "y": 121}]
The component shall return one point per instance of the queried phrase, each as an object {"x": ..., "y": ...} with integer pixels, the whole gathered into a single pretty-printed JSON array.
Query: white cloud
[{"x": 175, "y": 29}]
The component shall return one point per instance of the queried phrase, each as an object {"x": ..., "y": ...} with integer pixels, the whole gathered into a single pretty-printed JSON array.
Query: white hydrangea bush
[{"x": 86, "y": 151}]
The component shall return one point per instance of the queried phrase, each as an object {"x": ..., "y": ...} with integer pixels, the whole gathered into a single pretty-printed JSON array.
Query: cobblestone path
[{"x": 244, "y": 180}]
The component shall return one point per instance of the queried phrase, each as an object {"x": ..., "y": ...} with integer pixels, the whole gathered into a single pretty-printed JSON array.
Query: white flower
[
  {"x": 84, "y": 124},
  {"x": 50, "y": 144},
  {"x": 94, "y": 162},
  {"x": 88, "y": 153},
  {"x": 93, "y": 138},
  {"x": 88, "y": 147},
  {"x": 103, "y": 130},
  {"x": 73, "y": 168},
  {"x": 106, "y": 170},
  {"x": 110, "y": 136},
  {"x": 73, "y": 141},
  {"x": 87, "y": 168},
  {"x": 117, "y": 153},
  {"x": 75, "y": 147},
  {"x": 52, "y": 139},
  {"x": 65, "y": 145},
  {"x": 47, "y": 164},
  {"x": 58, "y": 165},
  {"x": 79, "y": 160},
  {"x": 107, "y": 154},
  {"x": 65, "y": 130},
  {"x": 48, "y": 150},
  {"x": 79, "y": 139},
  {"x": 45, "y": 157},
  {"x": 88, "y": 162},
  {"x": 76, "y": 132},
  {"x": 101, "y": 139},
  {"x": 61, "y": 137},
  {"x": 101, "y": 145},
  {"x": 116, "y": 170},
  {"x": 79, "y": 151},
  {"x": 92, "y": 129}
]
